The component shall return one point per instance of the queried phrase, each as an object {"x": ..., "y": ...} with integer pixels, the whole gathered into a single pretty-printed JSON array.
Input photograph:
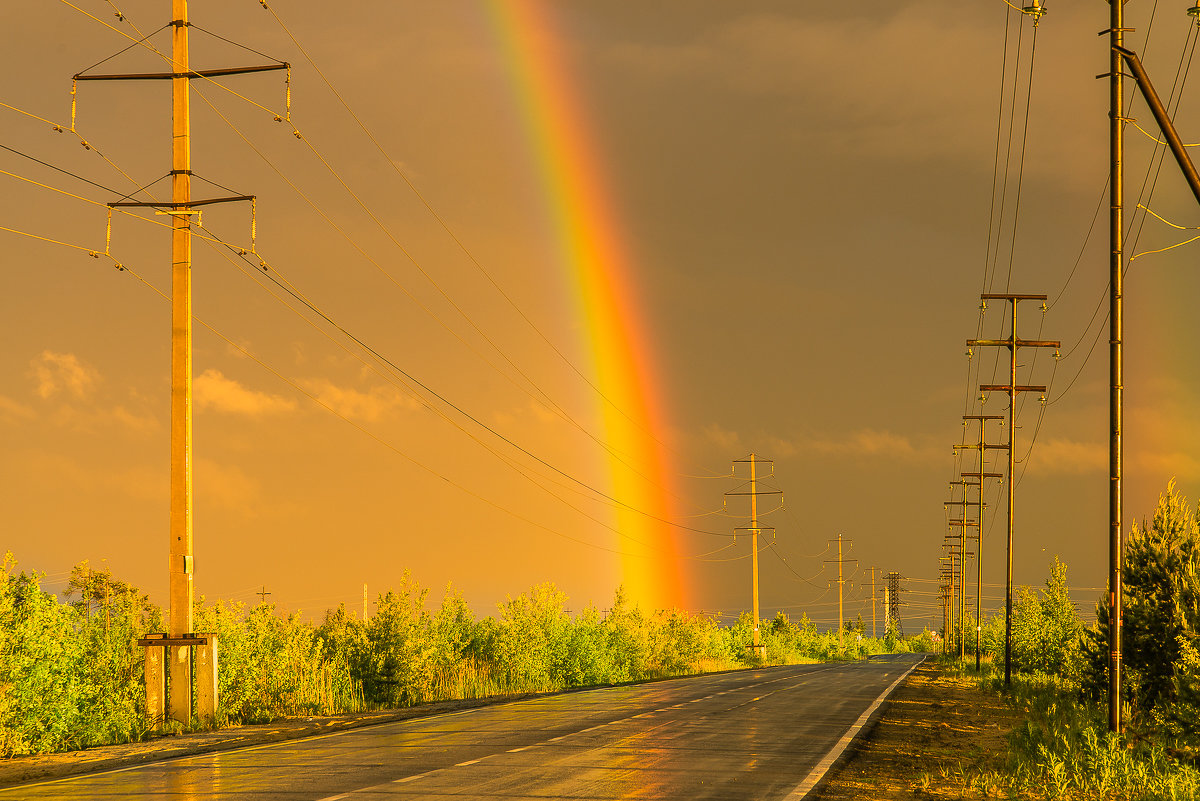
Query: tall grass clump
[{"x": 1063, "y": 749}]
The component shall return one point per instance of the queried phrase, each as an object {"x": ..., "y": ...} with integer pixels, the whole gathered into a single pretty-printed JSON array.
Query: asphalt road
[{"x": 743, "y": 736}]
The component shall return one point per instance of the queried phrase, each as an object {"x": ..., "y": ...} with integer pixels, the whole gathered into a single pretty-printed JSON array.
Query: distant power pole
[
  {"x": 364, "y": 602},
  {"x": 754, "y": 528},
  {"x": 983, "y": 447},
  {"x": 963, "y": 524},
  {"x": 873, "y": 634},
  {"x": 1013, "y": 343},
  {"x": 841, "y": 582},
  {"x": 262, "y": 594}
]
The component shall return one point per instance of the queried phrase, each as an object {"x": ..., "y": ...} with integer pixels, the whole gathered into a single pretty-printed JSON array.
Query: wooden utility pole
[
  {"x": 754, "y": 528},
  {"x": 963, "y": 524},
  {"x": 181, "y": 590},
  {"x": 983, "y": 448},
  {"x": 841, "y": 582},
  {"x": 179, "y": 639},
  {"x": 1116, "y": 127},
  {"x": 364, "y": 617},
  {"x": 873, "y": 634},
  {"x": 754, "y": 548},
  {"x": 1116, "y": 286},
  {"x": 1013, "y": 343},
  {"x": 262, "y": 595}
]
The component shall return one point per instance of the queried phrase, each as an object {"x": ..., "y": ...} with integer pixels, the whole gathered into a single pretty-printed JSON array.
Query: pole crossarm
[
  {"x": 126, "y": 204},
  {"x": 1010, "y": 387},
  {"x": 1009, "y": 296},
  {"x": 164, "y": 641},
  {"x": 1008, "y": 343},
  {"x": 983, "y": 417},
  {"x": 981, "y": 447},
  {"x": 985, "y": 475},
  {"x": 964, "y": 522},
  {"x": 165, "y": 76}
]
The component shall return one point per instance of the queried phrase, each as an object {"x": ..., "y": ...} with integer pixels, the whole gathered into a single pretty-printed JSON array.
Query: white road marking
[{"x": 810, "y": 782}]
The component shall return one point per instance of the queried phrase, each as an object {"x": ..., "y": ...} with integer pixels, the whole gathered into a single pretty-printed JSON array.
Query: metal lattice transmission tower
[{"x": 893, "y": 602}]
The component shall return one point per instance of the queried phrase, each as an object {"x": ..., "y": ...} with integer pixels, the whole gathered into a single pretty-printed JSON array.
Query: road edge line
[{"x": 805, "y": 788}]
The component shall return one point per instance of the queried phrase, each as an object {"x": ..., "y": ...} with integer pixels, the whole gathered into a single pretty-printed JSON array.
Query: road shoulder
[{"x": 937, "y": 732}]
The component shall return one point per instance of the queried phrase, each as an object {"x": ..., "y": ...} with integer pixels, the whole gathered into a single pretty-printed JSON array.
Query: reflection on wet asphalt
[{"x": 752, "y": 734}]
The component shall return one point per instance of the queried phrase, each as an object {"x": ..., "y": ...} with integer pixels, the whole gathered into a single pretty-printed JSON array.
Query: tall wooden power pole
[
  {"x": 1116, "y": 278},
  {"x": 983, "y": 448},
  {"x": 754, "y": 528},
  {"x": 181, "y": 590},
  {"x": 841, "y": 583},
  {"x": 1013, "y": 343},
  {"x": 179, "y": 640},
  {"x": 873, "y": 634}
]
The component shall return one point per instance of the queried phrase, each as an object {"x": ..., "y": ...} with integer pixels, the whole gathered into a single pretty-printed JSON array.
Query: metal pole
[
  {"x": 873, "y": 633},
  {"x": 179, "y": 698},
  {"x": 1012, "y": 451},
  {"x": 1116, "y": 307},
  {"x": 841, "y": 624},
  {"x": 979, "y": 547},
  {"x": 754, "y": 547},
  {"x": 962, "y": 584}
]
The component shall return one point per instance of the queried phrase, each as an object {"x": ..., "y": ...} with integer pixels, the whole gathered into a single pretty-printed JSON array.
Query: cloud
[
  {"x": 354, "y": 404},
  {"x": 726, "y": 440},
  {"x": 1068, "y": 456},
  {"x": 228, "y": 486},
  {"x": 63, "y": 373},
  {"x": 212, "y": 390},
  {"x": 13, "y": 410},
  {"x": 865, "y": 442},
  {"x": 148, "y": 484}
]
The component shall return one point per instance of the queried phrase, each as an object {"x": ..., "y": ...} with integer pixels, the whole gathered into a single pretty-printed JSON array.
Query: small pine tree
[{"x": 1160, "y": 614}]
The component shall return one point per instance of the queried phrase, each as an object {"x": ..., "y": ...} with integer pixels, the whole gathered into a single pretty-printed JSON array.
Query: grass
[{"x": 1063, "y": 749}]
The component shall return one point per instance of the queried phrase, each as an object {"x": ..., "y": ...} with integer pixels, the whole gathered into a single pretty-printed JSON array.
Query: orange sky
[{"x": 801, "y": 198}]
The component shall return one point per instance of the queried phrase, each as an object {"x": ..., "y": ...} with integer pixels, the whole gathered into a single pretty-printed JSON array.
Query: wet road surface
[{"x": 755, "y": 734}]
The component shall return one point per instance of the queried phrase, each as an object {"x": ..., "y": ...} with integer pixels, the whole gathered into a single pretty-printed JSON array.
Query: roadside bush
[{"x": 71, "y": 674}]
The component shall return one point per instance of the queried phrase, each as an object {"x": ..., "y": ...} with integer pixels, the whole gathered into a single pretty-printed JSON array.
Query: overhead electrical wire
[
  {"x": 545, "y": 397},
  {"x": 451, "y": 233},
  {"x": 443, "y": 399}
]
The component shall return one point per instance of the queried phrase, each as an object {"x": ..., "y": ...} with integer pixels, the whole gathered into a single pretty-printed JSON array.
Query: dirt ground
[{"x": 936, "y": 732}]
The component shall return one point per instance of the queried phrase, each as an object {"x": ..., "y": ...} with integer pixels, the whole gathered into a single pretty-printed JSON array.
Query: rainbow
[{"x": 592, "y": 247}]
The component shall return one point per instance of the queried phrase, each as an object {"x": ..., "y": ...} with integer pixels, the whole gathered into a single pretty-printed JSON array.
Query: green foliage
[
  {"x": 1161, "y": 621},
  {"x": 71, "y": 674},
  {"x": 922, "y": 643},
  {"x": 1046, "y": 631},
  {"x": 66, "y": 681},
  {"x": 1045, "y": 625},
  {"x": 1064, "y": 749}
]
